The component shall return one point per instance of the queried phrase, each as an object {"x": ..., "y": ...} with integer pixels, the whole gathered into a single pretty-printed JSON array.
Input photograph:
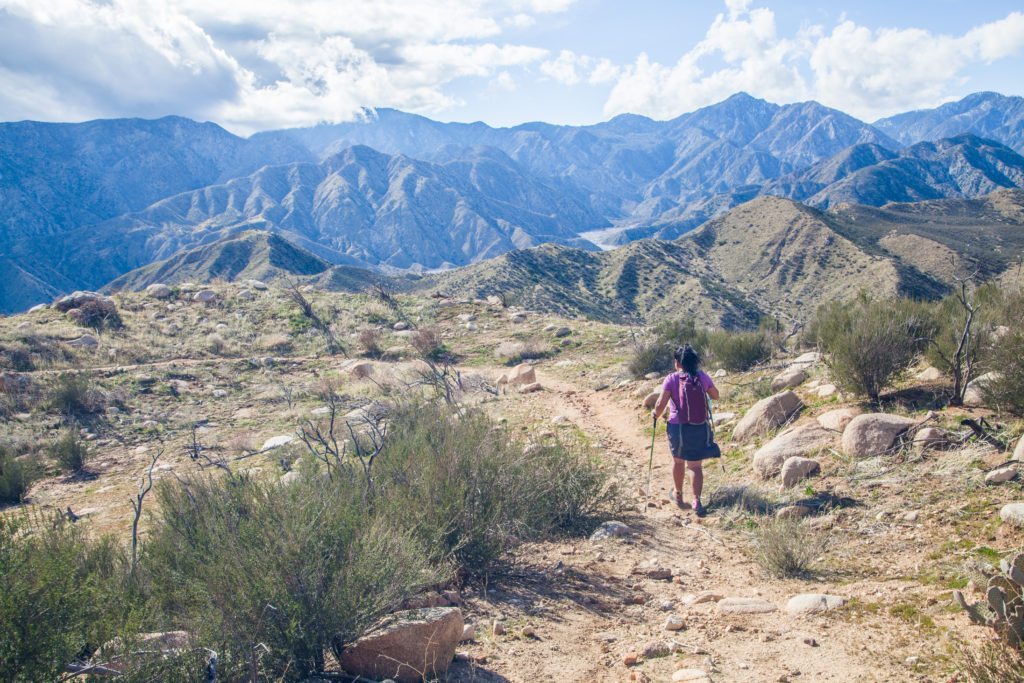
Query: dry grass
[{"x": 787, "y": 548}]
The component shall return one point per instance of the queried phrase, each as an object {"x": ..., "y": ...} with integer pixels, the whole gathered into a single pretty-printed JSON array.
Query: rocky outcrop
[
  {"x": 812, "y": 603},
  {"x": 409, "y": 647},
  {"x": 767, "y": 414},
  {"x": 836, "y": 420},
  {"x": 873, "y": 434}
]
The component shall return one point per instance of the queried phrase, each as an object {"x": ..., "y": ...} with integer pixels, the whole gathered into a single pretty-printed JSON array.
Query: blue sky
[{"x": 276, "y": 63}]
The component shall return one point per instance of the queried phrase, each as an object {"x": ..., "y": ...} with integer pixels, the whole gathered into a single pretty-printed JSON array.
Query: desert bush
[
  {"x": 1006, "y": 389},
  {"x": 869, "y": 344},
  {"x": 786, "y": 547},
  {"x": 216, "y": 344},
  {"x": 513, "y": 353},
  {"x": 70, "y": 452},
  {"x": 17, "y": 357},
  {"x": 992, "y": 662},
  {"x": 369, "y": 340},
  {"x": 428, "y": 343},
  {"x": 97, "y": 314},
  {"x": 61, "y": 597},
  {"x": 650, "y": 356},
  {"x": 276, "y": 342},
  {"x": 738, "y": 351},
  {"x": 302, "y": 568},
  {"x": 15, "y": 476},
  {"x": 74, "y": 395},
  {"x": 476, "y": 490}
]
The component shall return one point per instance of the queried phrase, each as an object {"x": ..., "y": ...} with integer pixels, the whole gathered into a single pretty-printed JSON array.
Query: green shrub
[
  {"x": 73, "y": 395},
  {"x": 869, "y": 344},
  {"x": 1006, "y": 389},
  {"x": 61, "y": 597},
  {"x": 650, "y": 357},
  {"x": 302, "y": 568},
  {"x": 738, "y": 351},
  {"x": 70, "y": 452},
  {"x": 475, "y": 490},
  {"x": 15, "y": 477}
]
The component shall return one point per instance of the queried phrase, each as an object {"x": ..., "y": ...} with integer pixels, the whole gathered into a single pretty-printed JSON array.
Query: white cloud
[
  {"x": 504, "y": 81},
  {"x": 604, "y": 72},
  {"x": 251, "y": 65},
  {"x": 868, "y": 73},
  {"x": 564, "y": 67}
]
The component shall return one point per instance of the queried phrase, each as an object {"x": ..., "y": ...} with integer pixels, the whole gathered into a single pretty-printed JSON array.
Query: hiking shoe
[
  {"x": 677, "y": 496},
  {"x": 699, "y": 509}
]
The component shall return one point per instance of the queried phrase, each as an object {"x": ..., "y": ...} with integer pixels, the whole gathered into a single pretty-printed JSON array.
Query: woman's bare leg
[
  {"x": 696, "y": 479},
  {"x": 679, "y": 475}
]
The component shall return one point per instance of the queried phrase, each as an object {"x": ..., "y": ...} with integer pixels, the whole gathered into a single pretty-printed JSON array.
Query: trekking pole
[{"x": 650, "y": 461}]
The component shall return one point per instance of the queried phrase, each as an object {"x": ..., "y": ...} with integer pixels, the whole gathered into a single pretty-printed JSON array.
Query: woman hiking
[{"x": 690, "y": 438}]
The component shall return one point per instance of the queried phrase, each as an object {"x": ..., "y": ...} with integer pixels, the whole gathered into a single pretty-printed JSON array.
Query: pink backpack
[{"x": 692, "y": 402}]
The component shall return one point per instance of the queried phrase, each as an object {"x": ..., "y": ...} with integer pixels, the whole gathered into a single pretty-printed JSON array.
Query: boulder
[
  {"x": 719, "y": 373},
  {"x": 812, "y": 603},
  {"x": 518, "y": 318},
  {"x": 531, "y": 388},
  {"x": 276, "y": 442},
  {"x": 360, "y": 370},
  {"x": 522, "y": 374},
  {"x": 745, "y": 606},
  {"x": 873, "y": 434},
  {"x": 651, "y": 399},
  {"x": 205, "y": 296},
  {"x": 836, "y": 420},
  {"x": 1001, "y": 474},
  {"x": 245, "y": 295},
  {"x": 257, "y": 285},
  {"x": 789, "y": 378},
  {"x": 159, "y": 291},
  {"x": 800, "y": 441},
  {"x": 86, "y": 341},
  {"x": 1013, "y": 513},
  {"x": 400, "y": 326},
  {"x": 796, "y": 469},
  {"x": 974, "y": 396},
  {"x": 1018, "y": 452},
  {"x": 409, "y": 647},
  {"x": 562, "y": 332},
  {"x": 806, "y": 360},
  {"x": 928, "y": 437},
  {"x": 767, "y": 414},
  {"x": 929, "y": 374},
  {"x": 826, "y": 390}
]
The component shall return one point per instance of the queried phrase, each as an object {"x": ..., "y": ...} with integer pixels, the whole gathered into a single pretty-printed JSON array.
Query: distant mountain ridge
[{"x": 81, "y": 204}]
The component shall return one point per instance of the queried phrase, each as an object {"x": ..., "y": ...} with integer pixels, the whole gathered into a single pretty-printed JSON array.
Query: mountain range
[{"x": 82, "y": 204}]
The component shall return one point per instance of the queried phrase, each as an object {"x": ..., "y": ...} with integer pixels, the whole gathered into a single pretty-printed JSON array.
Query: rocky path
[{"x": 679, "y": 598}]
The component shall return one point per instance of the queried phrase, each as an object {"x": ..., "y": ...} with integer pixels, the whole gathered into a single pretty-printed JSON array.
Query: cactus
[{"x": 1003, "y": 609}]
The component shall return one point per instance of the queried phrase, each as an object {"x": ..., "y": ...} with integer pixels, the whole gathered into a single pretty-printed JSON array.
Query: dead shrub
[
  {"x": 216, "y": 344},
  {"x": 369, "y": 341},
  {"x": 428, "y": 343},
  {"x": 787, "y": 548},
  {"x": 513, "y": 353},
  {"x": 276, "y": 342}
]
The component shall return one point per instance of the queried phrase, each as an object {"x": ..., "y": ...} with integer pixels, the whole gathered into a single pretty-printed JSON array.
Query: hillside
[{"x": 250, "y": 255}]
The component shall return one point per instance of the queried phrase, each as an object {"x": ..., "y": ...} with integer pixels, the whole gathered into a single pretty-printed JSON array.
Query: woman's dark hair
[{"x": 687, "y": 358}]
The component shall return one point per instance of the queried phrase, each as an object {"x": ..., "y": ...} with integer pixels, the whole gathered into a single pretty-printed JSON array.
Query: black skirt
[{"x": 692, "y": 442}]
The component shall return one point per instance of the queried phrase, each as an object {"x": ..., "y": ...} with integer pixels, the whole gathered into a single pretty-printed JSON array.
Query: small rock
[
  {"x": 690, "y": 676},
  {"x": 220, "y": 393},
  {"x": 796, "y": 469},
  {"x": 658, "y": 649},
  {"x": 789, "y": 378},
  {"x": 793, "y": 512},
  {"x": 468, "y": 633},
  {"x": 518, "y": 318},
  {"x": 498, "y": 628},
  {"x": 562, "y": 332},
  {"x": 86, "y": 341},
  {"x": 531, "y": 388},
  {"x": 912, "y": 660},
  {"x": 400, "y": 326},
  {"x": 652, "y": 375},
  {"x": 158, "y": 291},
  {"x": 928, "y": 437},
  {"x": 911, "y": 516},
  {"x": 674, "y": 624},
  {"x": 651, "y": 399},
  {"x": 611, "y": 529},
  {"x": 205, "y": 296},
  {"x": 1018, "y": 452},
  {"x": 631, "y": 659},
  {"x": 827, "y": 390},
  {"x": 528, "y": 632}
]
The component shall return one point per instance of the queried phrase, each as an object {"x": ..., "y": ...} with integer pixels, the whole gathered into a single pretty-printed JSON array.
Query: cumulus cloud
[
  {"x": 564, "y": 67},
  {"x": 867, "y": 72},
  {"x": 252, "y": 65}
]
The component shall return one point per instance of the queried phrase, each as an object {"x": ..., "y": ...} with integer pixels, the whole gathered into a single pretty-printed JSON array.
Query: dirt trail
[{"x": 602, "y": 610}]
